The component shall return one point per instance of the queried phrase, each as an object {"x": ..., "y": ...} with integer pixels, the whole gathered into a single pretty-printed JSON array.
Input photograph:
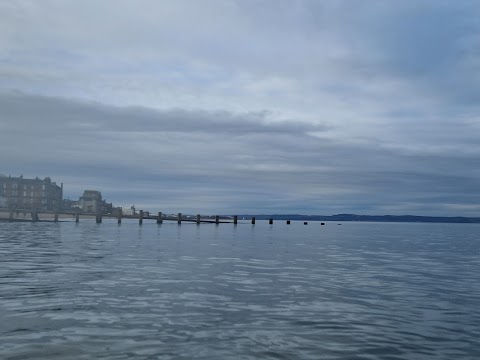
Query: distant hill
[{"x": 371, "y": 218}]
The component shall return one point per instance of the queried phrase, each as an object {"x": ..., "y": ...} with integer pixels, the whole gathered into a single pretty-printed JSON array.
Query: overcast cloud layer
[{"x": 315, "y": 107}]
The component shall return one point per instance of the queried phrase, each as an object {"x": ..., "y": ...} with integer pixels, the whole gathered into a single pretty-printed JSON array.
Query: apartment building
[{"x": 30, "y": 194}]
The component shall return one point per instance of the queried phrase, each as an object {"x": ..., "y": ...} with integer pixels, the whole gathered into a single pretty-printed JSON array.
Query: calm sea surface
[{"x": 356, "y": 291}]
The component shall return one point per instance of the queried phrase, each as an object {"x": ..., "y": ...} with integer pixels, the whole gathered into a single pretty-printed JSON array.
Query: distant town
[
  {"x": 47, "y": 195},
  {"x": 20, "y": 194}
]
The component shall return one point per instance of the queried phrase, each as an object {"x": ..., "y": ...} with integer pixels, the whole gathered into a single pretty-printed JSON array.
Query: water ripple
[{"x": 359, "y": 291}]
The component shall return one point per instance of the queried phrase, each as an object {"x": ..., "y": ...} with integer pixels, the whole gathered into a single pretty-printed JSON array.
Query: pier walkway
[{"x": 27, "y": 215}]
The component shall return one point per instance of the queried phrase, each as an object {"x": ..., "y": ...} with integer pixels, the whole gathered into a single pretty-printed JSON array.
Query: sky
[{"x": 246, "y": 106}]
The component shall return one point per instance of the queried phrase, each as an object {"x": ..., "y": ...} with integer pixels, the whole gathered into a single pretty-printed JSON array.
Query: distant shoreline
[
  {"x": 24, "y": 216},
  {"x": 369, "y": 218}
]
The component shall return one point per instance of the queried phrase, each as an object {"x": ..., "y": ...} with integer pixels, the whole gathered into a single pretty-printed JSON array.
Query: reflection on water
[{"x": 359, "y": 291}]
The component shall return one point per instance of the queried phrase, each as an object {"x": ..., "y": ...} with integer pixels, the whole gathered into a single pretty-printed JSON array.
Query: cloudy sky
[{"x": 243, "y": 106}]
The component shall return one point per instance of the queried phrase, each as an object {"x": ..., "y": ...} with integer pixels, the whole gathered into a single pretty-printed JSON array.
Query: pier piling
[
  {"x": 270, "y": 221},
  {"x": 288, "y": 222},
  {"x": 36, "y": 215}
]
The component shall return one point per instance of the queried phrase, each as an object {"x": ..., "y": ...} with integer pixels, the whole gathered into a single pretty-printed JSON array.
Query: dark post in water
[
  {"x": 217, "y": 219},
  {"x": 119, "y": 217},
  {"x": 270, "y": 221},
  {"x": 235, "y": 220},
  {"x": 140, "y": 217},
  {"x": 253, "y": 220},
  {"x": 198, "y": 218},
  {"x": 77, "y": 216},
  {"x": 159, "y": 219},
  {"x": 179, "y": 218},
  {"x": 55, "y": 217}
]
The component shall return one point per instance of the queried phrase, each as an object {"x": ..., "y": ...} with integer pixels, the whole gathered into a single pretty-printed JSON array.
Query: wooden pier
[
  {"x": 24, "y": 215},
  {"x": 28, "y": 215}
]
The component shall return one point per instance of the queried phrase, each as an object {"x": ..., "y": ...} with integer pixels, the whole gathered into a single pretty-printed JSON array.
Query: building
[
  {"x": 30, "y": 194},
  {"x": 70, "y": 205},
  {"x": 91, "y": 202},
  {"x": 129, "y": 211}
]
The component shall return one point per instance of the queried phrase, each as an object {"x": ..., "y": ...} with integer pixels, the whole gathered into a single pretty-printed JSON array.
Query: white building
[{"x": 129, "y": 211}]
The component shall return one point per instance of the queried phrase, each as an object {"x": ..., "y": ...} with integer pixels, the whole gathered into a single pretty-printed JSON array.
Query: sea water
[{"x": 350, "y": 291}]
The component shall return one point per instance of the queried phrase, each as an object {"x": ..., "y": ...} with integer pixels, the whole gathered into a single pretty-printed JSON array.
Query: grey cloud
[
  {"x": 63, "y": 115},
  {"x": 276, "y": 169}
]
